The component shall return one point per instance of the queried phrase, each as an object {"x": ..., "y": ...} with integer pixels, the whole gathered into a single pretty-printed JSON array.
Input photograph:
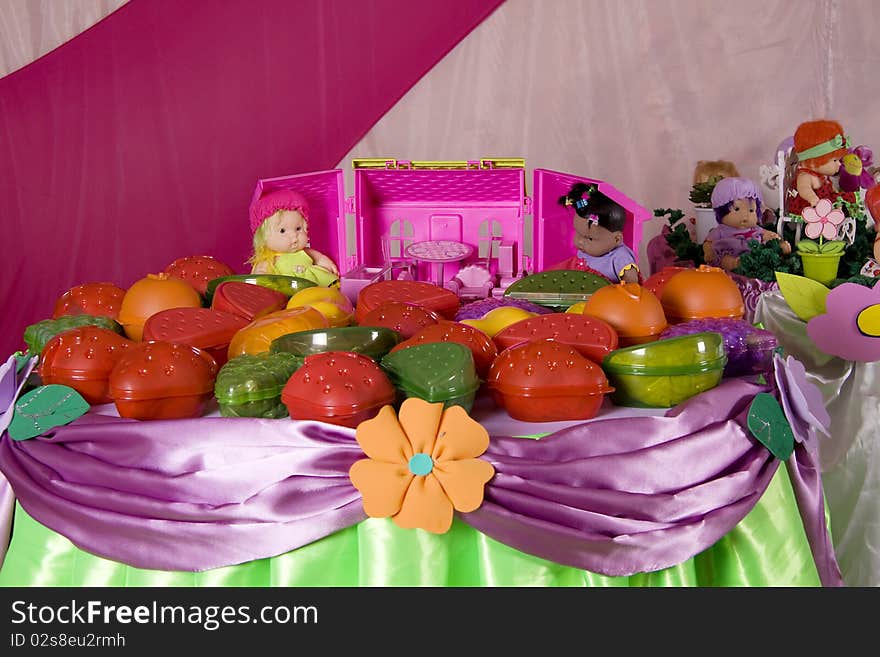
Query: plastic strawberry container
[
  {"x": 102, "y": 299},
  {"x": 481, "y": 346},
  {"x": 591, "y": 336},
  {"x": 338, "y": 387},
  {"x": 198, "y": 270},
  {"x": 251, "y": 386},
  {"x": 441, "y": 301},
  {"x": 205, "y": 328},
  {"x": 246, "y": 300},
  {"x": 82, "y": 358},
  {"x": 406, "y": 319},
  {"x": 436, "y": 372},
  {"x": 547, "y": 381},
  {"x": 162, "y": 380}
]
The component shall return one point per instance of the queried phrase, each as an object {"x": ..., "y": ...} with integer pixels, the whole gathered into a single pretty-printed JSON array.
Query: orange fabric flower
[{"x": 421, "y": 465}]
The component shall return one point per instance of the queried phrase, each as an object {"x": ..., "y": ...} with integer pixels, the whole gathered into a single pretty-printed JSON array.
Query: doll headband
[{"x": 835, "y": 143}]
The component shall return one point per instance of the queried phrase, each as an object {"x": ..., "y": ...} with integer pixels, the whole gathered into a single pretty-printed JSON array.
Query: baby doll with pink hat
[
  {"x": 279, "y": 222},
  {"x": 737, "y": 205}
]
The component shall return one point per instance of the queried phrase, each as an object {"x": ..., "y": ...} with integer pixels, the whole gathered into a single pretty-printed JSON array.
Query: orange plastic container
[
  {"x": 339, "y": 387},
  {"x": 441, "y": 301},
  {"x": 656, "y": 281},
  {"x": 701, "y": 293},
  {"x": 151, "y": 295},
  {"x": 162, "y": 380},
  {"x": 82, "y": 358},
  {"x": 257, "y": 337},
  {"x": 632, "y": 310},
  {"x": 547, "y": 381}
]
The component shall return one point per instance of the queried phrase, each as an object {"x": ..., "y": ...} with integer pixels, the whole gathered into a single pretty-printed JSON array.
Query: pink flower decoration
[
  {"x": 822, "y": 220},
  {"x": 837, "y": 331}
]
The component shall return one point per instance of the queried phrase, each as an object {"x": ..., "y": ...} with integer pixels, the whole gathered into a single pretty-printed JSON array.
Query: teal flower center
[{"x": 421, "y": 465}]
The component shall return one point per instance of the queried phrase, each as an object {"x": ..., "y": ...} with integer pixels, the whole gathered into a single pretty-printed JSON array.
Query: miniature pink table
[{"x": 438, "y": 253}]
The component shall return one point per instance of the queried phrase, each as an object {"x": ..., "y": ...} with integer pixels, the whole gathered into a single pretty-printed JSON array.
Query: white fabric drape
[
  {"x": 31, "y": 28},
  {"x": 635, "y": 92}
]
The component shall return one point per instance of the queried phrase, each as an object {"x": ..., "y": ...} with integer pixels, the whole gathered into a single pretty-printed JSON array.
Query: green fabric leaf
[
  {"x": 45, "y": 408},
  {"x": 804, "y": 296},
  {"x": 768, "y": 424},
  {"x": 832, "y": 247},
  {"x": 807, "y": 246}
]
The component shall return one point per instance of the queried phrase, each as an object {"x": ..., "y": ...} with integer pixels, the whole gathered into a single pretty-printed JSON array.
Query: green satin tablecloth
[{"x": 768, "y": 548}]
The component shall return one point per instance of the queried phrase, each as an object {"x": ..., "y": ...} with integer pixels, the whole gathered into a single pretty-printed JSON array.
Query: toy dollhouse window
[
  {"x": 399, "y": 241},
  {"x": 488, "y": 240}
]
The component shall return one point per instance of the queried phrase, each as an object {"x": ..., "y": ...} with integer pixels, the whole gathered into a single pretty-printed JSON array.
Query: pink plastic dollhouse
[{"x": 461, "y": 225}]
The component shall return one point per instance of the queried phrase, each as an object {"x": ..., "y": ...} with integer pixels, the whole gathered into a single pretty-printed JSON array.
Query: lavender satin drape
[{"x": 615, "y": 496}]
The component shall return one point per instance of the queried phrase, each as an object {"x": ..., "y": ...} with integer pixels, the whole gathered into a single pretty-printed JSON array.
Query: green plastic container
[
  {"x": 250, "y": 386},
  {"x": 436, "y": 372},
  {"x": 288, "y": 285},
  {"x": 372, "y": 341},
  {"x": 36, "y": 336},
  {"x": 664, "y": 373},
  {"x": 559, "y": 288}
]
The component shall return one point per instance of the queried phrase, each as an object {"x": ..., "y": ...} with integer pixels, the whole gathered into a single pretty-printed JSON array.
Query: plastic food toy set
[{"x": 548, "y": 336}]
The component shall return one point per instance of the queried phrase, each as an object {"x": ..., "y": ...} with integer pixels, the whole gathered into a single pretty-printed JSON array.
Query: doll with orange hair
[
  {"x": 279, "y": 221},
  {"x": 819, "y": 147}
]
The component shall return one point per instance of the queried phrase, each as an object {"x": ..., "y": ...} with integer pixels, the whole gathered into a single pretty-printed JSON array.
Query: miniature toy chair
[
  {"x": 404, "y": 266},
  {"x": 781, "y": 176}
]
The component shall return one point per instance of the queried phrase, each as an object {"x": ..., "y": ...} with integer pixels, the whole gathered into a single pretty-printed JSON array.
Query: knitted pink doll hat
[{"x": 269, "y": 204}]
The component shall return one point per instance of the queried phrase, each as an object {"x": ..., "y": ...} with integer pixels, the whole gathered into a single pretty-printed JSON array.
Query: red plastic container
[
  {"x": 246, "y": 300},
  {"x": 198, "y": 270},
  {"x": 101, "y": 299},
  {"x": 405, "y": 318},
  {"x": 82, "y": 358},
  {"x": 441, "y": 301},
  {"x": 162, "y": 380},
  {"x": 339, "y": 387},
  {"x": 480, "y": 344},
  {"x": 547, "y": 381},
  {"x": 591, "y": 336},
  {"x": 205, "y": 328}
]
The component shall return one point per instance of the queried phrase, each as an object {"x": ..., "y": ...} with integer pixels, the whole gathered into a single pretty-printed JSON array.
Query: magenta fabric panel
[{"x": 140, "y": 141}]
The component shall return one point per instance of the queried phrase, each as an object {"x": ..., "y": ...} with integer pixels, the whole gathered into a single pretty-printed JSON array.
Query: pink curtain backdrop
[{"x": 140, "y": 140}]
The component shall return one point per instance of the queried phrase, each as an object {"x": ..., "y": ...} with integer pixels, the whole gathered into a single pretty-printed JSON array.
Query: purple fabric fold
[
  {"x": 632, "y": 495},
  {"x": 616, "y": 496}
]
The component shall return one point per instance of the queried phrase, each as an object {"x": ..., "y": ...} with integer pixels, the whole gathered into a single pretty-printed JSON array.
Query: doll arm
[
  {"x": 769, "y": 236},
  {"x": 261, "y": 267},
  {"x": 726, "y": 261},
  {"x": 322, "y": 261},
  {"x": 877, "y": 248},
  {"x": 805, "y": 188}
]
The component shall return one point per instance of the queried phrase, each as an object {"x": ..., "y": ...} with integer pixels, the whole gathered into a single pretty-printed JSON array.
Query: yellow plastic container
[
  {"x": 257, "y": 337},
  {"x": 328, "y": 301}
]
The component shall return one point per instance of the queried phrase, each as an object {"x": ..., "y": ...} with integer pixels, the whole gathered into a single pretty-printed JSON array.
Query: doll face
[
  {"x": 287, "y": 231},
  {"x": 593, "y": 239},
  {"x": 830, "y": 168},
  {"x": 743, "y": 214}
]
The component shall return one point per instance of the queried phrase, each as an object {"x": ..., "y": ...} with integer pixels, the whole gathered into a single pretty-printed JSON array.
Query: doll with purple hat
[
  {"x": 279, "y": 222},
  {"x": 737, "y": 205}
]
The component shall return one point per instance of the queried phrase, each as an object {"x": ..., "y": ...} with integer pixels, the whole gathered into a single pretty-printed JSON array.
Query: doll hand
[
  {"x": 327, "y": 264},
  {"x": 729, "y": 262},
  {"x": 785, "y": 246}
]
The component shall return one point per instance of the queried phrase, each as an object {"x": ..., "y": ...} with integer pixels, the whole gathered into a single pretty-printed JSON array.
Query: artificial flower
[
  {"x": 843, "y": 330},
  {"x": 421, "y": 465},
  {"x": 801, "y": 401},
  {"x": 822, "y": 220}
]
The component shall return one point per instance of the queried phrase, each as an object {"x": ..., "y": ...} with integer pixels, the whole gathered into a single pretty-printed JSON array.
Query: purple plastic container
[
  {"x": 749, "y": 348},
  {"x": 477, "y": 309}
]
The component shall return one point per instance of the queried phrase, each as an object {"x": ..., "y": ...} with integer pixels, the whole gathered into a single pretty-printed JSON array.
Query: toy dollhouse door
[
  {"x": 325, "y": 192},
  {"x": 552, "y": 223}
]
